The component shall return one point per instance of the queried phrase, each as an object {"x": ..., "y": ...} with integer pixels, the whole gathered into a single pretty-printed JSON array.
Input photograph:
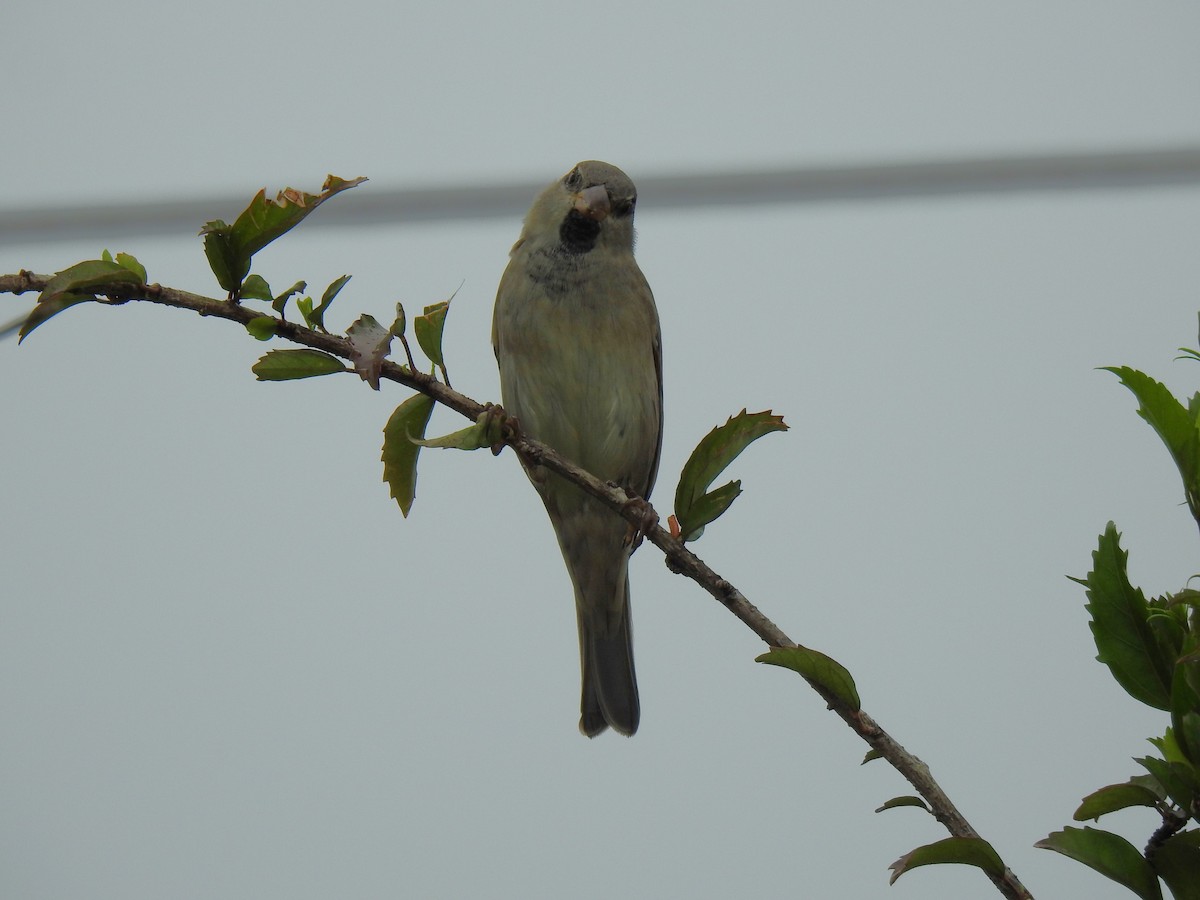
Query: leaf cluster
[
  {"x": 1152, "y": 649},
  {"x": 697, "y": 506},
  {"x": 230, "y": 248}
]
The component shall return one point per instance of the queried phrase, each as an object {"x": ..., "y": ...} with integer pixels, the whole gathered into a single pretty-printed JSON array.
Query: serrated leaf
[
  {"x": 695, "y": 506},
  {"x": 963, "y": 851},
  {"x": 255, "y": 287},
  {"x": 264, "y": 221},
  {"x": 369, "y": 344},
  {"x": 1124, "y": 638},
  {"x": 907, "y": 800},
  {"x": 288, "y": 365},
  {"x": 1109, "y": 854},
  {"x": 1173, "y": 424},
  {"x": 230, "y": 248},
  {"x": 818, "y": 668},
  {"x": 1168, "y": 746},
  {"x": 1113, "y": 797},
  {"x": 428, "y": 328},
  {"x": 400, "y": 448},
  {"x": 1177, "y": 862}
]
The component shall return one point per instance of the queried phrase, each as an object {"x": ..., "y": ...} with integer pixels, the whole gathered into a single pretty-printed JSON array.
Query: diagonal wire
[{"x": 1162, "y": 167}]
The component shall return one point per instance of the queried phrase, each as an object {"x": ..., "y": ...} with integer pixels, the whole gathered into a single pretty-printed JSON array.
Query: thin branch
[{"x": 679, "y": 559}]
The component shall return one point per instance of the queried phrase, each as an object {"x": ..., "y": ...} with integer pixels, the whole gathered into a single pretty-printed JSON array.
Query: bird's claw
[
  {"x": 647, "y": 521},
  {"x": 501, "y": 427}
]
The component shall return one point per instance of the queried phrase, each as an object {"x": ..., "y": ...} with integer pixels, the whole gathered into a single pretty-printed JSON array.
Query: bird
[{"x": 578, "y": 344}]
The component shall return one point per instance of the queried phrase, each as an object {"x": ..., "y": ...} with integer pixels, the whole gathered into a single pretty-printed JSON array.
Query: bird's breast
[{"x": 576, "y": 352}]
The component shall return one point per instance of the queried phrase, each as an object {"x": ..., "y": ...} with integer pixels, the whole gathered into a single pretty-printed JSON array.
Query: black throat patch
[{"x": 578, "y": 233}]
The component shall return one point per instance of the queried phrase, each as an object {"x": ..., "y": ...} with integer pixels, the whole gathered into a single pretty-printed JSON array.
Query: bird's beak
[{"x": 593, "y": 203}]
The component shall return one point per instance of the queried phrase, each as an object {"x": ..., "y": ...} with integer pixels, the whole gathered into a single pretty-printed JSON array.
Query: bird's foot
[
  {"x": 647, "y": 521},
  {"x": 501, "y": 427}
]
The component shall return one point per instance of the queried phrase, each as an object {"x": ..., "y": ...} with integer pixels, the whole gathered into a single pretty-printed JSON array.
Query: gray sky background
[{"x": 229, "y": 668}]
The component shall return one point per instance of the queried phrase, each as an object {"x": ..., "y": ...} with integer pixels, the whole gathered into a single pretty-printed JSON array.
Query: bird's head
[{"x": 589, "y": 207}]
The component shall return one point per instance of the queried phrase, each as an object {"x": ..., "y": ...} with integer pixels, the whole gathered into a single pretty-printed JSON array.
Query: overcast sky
[{"x": 229, "y": 668}]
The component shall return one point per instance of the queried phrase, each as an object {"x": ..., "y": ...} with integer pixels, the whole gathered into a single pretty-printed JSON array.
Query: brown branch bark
[{"x": 679, "y": 559}]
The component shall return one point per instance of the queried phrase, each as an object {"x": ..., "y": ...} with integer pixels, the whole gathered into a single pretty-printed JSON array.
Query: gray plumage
[{"x": 577, "y": 340}]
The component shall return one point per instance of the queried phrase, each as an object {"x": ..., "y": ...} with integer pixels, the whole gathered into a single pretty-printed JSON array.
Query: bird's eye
[
  {"x": 623, "y": 208},
  {"x": 573, "y": 180}
]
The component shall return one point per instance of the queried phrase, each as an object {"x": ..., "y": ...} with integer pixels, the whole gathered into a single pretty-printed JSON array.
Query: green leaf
[
  {"x": 871, "y": 756},
  {"x": 1189, "y": 735},
  {"x": 227, "y": 263},
  {"x": 695, "y": 506},
  {"x": 287, "y": 365},
  {"x": 400, "y": 448},
  {"x": 964, "y": 851},
  {"x": 87, "y": 276},
  {"x": 1178, "y": 779},
  {"x": 1187, "y": 596},
  {"x": 279, "y": 303},
  {"x": 262, "y": 327},
  {"x": 48, "y": 309},
  {"x": 1173, "y": 424},
  {"x": 305, "y": 305},
  {"x": 1109, "y": 854},
  {"x": 255, "y": 287},
  {"x": 335, "y": 287},
  {"x": 817, "y": 668},
  {"x": 264, "y": 221},
  {"x": 1120, "y": 627},
  {"x": 229, "y": 248},
  {"x": 709, "y": 507},
  {"x": 127, "y": 261},
  {"x": 400, "y": 322},
  {"x": 75, "y": 285},
  {"x": 1177, "y": 862},
  {"x": 1169, "y": 747},
  {"x": 908, "y": 800},
  {"x": 428, "y": 329},
  {"x": 1185, "y": 710},
  {"x": 1113, "y": 797},
  {"x": 369, "y": 345}
]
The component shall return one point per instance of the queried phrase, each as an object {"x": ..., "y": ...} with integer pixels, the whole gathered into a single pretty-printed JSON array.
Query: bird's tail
[{"x": 610, "y": 694}]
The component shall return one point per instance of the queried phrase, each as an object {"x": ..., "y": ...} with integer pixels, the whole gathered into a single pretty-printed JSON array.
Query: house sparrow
[{"x": 577, "y": 340}]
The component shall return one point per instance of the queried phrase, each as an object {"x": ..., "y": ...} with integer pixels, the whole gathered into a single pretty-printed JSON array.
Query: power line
[{"x": 814, "y": 184}]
